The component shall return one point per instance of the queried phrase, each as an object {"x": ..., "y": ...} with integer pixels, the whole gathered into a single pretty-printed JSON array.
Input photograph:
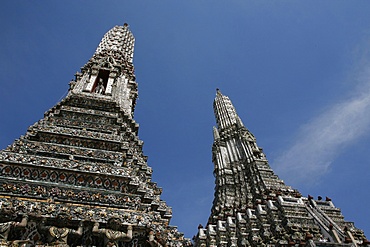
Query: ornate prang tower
[
  {"x": 78, "y": 177},
  {"x": 253, "y": 207}
]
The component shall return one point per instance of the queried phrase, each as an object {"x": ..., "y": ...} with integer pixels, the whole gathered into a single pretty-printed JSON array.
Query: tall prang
[
  {"x": 253, "y": 207},
  {"x": 78, "y": 177}
]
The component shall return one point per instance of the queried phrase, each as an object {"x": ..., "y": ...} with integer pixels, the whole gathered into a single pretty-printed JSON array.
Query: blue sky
[{"x": 298, "y": 73}]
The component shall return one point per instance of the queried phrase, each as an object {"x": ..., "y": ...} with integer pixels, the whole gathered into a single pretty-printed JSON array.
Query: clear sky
[{"x": 298, "y": 73}]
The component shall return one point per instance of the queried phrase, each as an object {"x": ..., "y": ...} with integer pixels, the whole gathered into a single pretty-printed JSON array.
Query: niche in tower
[{"x": 101, "y": 82}]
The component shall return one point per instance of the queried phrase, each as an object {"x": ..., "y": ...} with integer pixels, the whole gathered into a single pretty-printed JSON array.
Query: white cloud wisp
[{"x": 321, "y": 140}]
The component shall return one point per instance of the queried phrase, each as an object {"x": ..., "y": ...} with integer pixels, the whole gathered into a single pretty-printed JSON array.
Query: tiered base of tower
[
  {"x": 84, "y": 161},
  {"x": 283, "y": 221}
]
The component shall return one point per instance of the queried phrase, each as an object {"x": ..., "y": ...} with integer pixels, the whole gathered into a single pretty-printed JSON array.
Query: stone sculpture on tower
[{"x": 78, "y": 177}]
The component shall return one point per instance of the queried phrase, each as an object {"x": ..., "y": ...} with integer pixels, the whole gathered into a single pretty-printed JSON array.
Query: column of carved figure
[
  {"x": 156, "y": 240},
  {"x": 8, "y": 225},
  {"x": 58, "y": 233},
  {"x": 238, "y": 189},
  {"x": 234, "y": 167},
  {"x": 243, "y": 184},
  {"x": 112, "y": 235},
  {"x": 247, "y": 167},
  {"x": 229, "y": 180},
  {"x": 256, "y": 184},
  {"x": 247, "y": 188}
]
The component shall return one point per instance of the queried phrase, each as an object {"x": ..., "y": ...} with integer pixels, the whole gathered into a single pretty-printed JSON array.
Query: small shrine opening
[{"x": 101, "y": 82}]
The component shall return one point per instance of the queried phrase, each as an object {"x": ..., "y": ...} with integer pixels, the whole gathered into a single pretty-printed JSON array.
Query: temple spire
[
  {"x": 81, "y": 169},
  {"x": 252, "y": 206},
  {"x": 109, "y": 74},
  {"x": 225, "y": 112}
]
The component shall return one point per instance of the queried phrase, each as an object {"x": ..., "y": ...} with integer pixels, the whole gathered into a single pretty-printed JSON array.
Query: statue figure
[
  {"x": 58, "y": 236},
  {"x": 112, "y": 235},
  {"x": 8, "y": 222},
  {"x": 100, "y": 87},
  {"x": 153, "y": 240}
]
